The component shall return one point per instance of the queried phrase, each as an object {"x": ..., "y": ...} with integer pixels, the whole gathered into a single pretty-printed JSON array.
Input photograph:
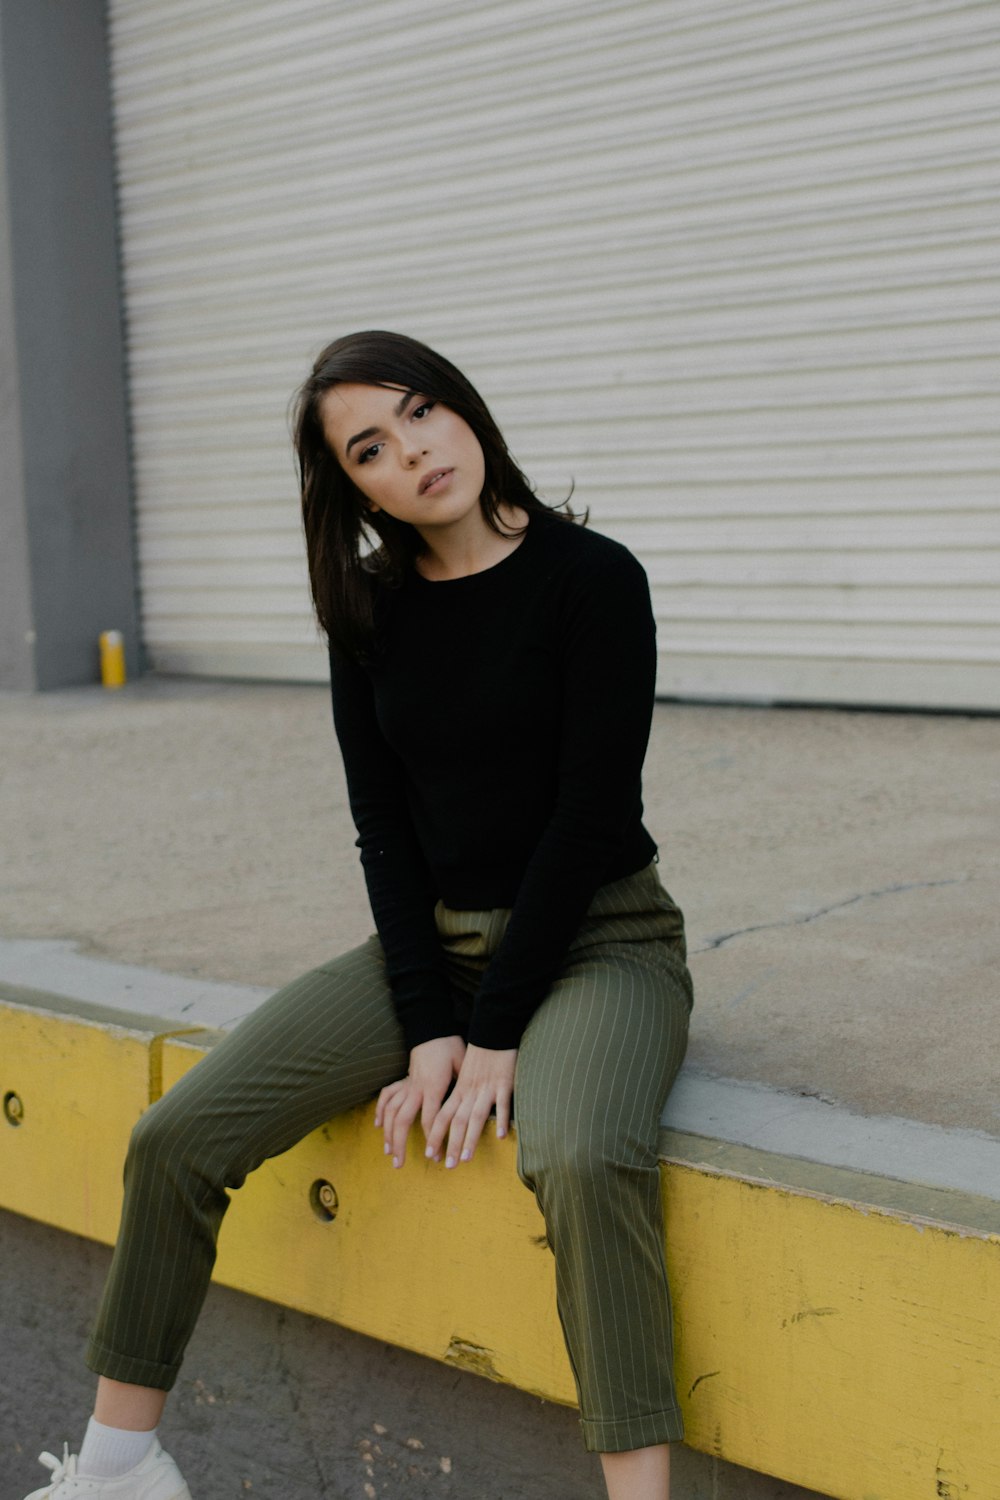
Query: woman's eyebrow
[{"x": 361, "y": 437}]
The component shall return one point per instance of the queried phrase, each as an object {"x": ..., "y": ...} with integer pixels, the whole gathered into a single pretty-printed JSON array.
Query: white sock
[{"x": 109, "y": 1452}]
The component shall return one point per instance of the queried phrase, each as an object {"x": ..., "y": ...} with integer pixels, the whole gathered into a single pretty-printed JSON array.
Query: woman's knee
[
  {"x": 164, "y": 1135},
  {"x": 585, "y": 1161}
]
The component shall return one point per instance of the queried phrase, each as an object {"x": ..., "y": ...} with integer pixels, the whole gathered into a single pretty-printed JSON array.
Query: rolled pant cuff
[
  {"x": 128, "y": 1369},
  {"x": 633, "y": 1432}
]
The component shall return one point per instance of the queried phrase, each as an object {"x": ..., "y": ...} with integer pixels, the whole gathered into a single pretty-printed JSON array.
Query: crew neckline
[{"x": 482, "y": 573}]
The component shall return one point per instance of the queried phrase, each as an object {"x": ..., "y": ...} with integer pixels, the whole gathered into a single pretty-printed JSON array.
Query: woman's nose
[{"x": 413, "y": 451}]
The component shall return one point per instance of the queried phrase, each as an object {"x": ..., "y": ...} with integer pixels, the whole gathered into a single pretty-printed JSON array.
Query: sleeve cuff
[
  {"x": 498, "y": 1033},
  {"x": 427, "y": 1022}
]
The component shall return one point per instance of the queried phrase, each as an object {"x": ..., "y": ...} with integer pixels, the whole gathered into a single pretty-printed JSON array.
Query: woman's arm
[
  {"x": 608, "y": 647},
  {"x": 399, "y": 886},
  {"x": 402, "y": 901},
  {"x": 607, "y": 644}
]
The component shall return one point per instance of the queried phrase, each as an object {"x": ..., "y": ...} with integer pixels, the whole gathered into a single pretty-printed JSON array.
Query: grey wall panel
[
  {"x": 17, "y": 656},
  {"x": 65, "y": 348},
  {"x": 733, "y": 269}
]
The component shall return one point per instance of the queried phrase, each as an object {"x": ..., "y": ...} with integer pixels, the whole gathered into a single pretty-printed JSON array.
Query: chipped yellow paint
[
  {"x": 850, "y": 1349},
  {"x": 470, "y": 1357}
]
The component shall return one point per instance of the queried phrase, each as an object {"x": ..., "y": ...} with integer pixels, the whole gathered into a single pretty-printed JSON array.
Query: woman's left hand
[{"x": 485, "y": 1079}]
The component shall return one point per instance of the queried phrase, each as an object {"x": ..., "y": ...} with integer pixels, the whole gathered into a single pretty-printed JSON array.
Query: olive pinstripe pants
[{"x": 594, "y": 1068}]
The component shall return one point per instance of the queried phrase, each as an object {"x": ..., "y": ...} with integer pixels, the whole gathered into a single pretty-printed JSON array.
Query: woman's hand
[
  {"x": 433, "y": 1065},
  {"x": 485, "y": 1079}
]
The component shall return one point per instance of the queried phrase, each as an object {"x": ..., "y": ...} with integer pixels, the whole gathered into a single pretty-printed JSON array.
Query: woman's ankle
[
  {"x": 638, "y": 1474},
  {"x": 132, "y": 1408}
]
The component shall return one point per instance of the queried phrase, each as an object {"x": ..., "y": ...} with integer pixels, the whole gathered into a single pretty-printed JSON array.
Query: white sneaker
[{"x": 156, "y": 1478}]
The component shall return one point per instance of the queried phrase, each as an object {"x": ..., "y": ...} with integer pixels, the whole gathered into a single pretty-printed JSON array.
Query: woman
[{"x": 492, "y": 669}]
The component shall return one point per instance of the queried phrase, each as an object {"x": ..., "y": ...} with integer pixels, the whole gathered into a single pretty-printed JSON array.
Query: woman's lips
[{"x": 434, "y": 480}]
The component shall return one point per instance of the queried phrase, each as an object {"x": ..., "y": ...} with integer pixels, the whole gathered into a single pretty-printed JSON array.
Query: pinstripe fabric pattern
[{"x": 594, "y": 1069}]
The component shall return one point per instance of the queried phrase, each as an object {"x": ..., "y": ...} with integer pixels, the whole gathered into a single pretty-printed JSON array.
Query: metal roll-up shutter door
[{"x": 731, "y": 267}]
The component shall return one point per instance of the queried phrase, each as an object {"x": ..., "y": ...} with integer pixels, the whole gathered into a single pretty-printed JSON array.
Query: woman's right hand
[{"x": 433, "y": 1066}]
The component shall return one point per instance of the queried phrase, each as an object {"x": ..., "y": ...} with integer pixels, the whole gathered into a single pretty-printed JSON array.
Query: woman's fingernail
[
  {"x": 428, "y": 1152},
  {"x": 466, "y": 1155},
  {"x": 449, "y": 1161},
  {"x": 395, "y": 1161},
  {"x": 386, "y": 1149}
]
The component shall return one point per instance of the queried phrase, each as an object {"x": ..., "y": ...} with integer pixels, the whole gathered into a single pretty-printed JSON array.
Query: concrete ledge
[{"x": 834, "y": 1328}]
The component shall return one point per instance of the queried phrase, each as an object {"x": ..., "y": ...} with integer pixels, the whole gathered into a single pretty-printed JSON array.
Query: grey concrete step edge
[{"x": 746, "y": 1115}]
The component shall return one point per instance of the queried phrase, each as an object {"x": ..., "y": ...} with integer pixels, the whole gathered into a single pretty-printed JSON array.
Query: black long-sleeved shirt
[{"x": 493, "y": 748}]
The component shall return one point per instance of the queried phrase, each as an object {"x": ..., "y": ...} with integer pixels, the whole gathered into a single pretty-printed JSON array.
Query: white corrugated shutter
[{"x": 734, "y": 268}]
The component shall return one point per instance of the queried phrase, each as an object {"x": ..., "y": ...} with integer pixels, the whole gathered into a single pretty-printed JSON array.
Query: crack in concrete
[{"x": 824, "y": 911}]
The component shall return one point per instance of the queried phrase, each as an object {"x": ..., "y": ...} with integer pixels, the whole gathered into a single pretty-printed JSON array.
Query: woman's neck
[{"x": 456, "y": 553}]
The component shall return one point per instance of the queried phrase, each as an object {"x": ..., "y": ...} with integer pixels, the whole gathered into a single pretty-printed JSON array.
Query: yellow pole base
[{"x": 112, "y": 658}]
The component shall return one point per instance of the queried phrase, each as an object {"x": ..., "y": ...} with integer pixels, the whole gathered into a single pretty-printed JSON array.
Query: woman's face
[{"x": 410, "y": 456}]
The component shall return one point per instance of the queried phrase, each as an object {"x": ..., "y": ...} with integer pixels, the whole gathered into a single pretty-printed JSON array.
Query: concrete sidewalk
[
  {"x": 839, "y": 872},
  {"x": 181, "y": 848}
]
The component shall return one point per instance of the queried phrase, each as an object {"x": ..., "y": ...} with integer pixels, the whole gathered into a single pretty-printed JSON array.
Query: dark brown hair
[{"x": 342, "y": 571}]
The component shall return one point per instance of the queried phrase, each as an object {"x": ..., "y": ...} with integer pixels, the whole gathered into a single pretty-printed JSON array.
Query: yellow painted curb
[
  {"x": 841, "y": 1346},
  {"x": 76, "y": 1088},
  {"x": 847, "y": 1347}
]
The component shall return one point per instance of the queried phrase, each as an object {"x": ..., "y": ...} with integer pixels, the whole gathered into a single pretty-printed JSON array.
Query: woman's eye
[
  {"x": 424, "y": 408},
  {"x": 369, "y": 453}
]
